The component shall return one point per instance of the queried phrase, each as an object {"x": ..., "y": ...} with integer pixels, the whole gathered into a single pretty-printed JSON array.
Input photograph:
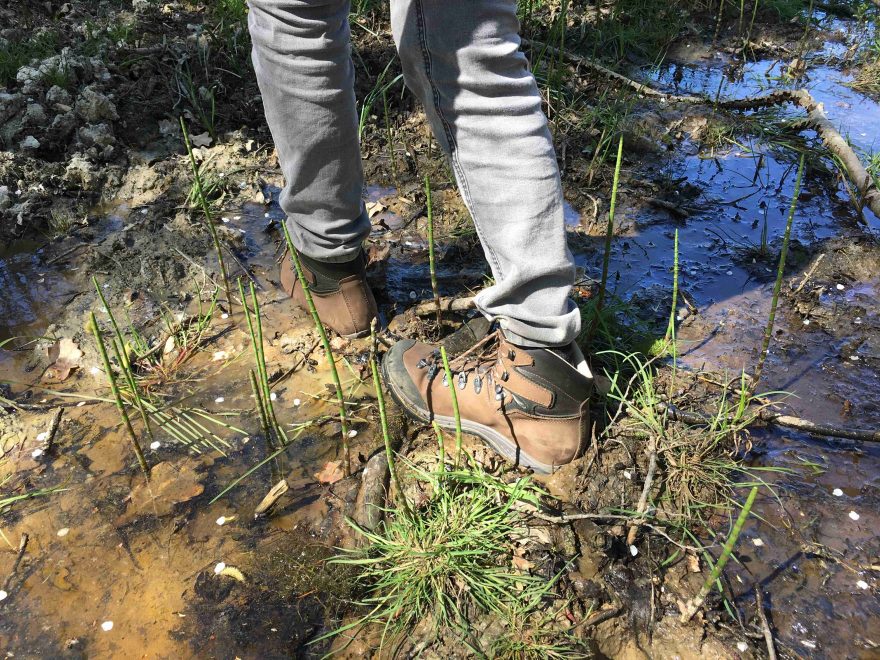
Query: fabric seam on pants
[{"x": 453, "y": 150}]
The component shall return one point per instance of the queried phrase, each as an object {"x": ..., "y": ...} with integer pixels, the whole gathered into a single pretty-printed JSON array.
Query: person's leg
[
  {"x": 301, "y": 55},
  {"x": 525, "y": 393},
  {"x": 462, "y": 60}
]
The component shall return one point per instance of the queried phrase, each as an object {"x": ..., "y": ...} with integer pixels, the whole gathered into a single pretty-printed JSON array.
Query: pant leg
[
  {"x": 301, "y": 55},
  {"x": 462, "y": 60}
]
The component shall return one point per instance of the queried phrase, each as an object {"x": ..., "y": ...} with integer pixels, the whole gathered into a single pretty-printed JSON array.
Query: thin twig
[
  {"x": 643, "y": 498},
  {"x": 53, "y": 429},
  {"x": 765, "y": 625},
  {"x": 22, "y": 546}
]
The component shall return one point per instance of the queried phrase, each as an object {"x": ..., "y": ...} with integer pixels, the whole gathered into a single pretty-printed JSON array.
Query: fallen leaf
[
  {"x": 169, "y": 485},
  {"x": 65, "y": 356},
  {"x": 522, "y": 564},
  {"x": 331, "y": 473},
  {"x": 693, "y": 563},
  {"x": 202, "y": 140},
  {"x": 373, "y": 208}
]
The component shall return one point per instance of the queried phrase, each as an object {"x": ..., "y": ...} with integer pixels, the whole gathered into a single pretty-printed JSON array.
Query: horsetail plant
[
  {"x": 120, "y": 406},
  {"x": 695, "y": 603},
  {"x": 383, "y": 421},
  {"x": 455, "y": 412},
  {"x": 609, "y": 233},
  {"x": 768, "y": 331},
  {"x": 432, "y": 260},
  {"x": 209, "y": 217},
  {"x": 328, "y": 352},
  {"x": 119, "y": 350}
]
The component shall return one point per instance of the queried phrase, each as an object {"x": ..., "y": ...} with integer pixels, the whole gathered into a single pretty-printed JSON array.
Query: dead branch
[
  {"x": 446, "y": 303},
  {"x": 271, "y": 499},
  {"x": 643, "y": 498},
  {"x": 53, "y": 429},
  {"x": 815, "y": 119},
  {"x": 22, "y": 547},
  {"x": 788, "y": 421},
  {"x": 765, "y": 625}
]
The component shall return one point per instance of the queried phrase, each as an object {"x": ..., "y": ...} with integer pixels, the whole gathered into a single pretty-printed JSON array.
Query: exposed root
[{"x": 446, "y": 304}]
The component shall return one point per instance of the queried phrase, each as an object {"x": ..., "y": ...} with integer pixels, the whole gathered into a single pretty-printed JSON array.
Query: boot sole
[{"x": 490, "y": 436}]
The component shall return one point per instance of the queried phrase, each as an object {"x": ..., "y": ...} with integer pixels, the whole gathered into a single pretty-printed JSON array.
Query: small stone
[
  {"x": 837, "y": 492},
  {"x": 272, "y": 396},
  {"x": 41, "y": 437},
  {"x": 245, "y": 440},
  {"x": 840, "y": 287},
  {"x": 224, "y": 315},
  {"x": 221, "y": 520},
  {"x": 808, "y": 643},
  {"x": 36, "y": 453},
  {"x": 854, "y": 358},
  {"x": 853, "y": 515},
  {"x": 3, "y": 595},
  {"x": 297, "y": 402},
  {"x": 758, "y": 542},
  {"x": 627, "y": 474},
  {"x": 155, "y": 444},
  {"x": 861, "y": 584},
  {"x": 633, "y": 550},
  {"x": 64, "y": 531},
  {"x": 30, "y": 143},
  {"x": 94, "y": 371},
  {"x": 219, "y": 399},
  {"x": 219, "y": 568},
  {"x": 352, "y": 433},
  {"x": 107, "y": 626},
  {"x": 729, "y": 273},
  {"x": 80, "y": 404},
  {"x": 742, "y": 646},
  {"x": 806, "y": 321}
]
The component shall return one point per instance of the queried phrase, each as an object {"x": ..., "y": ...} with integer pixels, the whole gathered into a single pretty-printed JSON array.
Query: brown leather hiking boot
[
  {"x": 340, "y": 291},
  {"x": 529, "y": 404}
]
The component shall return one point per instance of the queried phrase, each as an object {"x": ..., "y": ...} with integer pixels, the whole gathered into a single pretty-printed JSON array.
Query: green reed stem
[
  {"x": 726, "y": 551},
  {"x": 432, "y": 260},
  {"x": 455, "y": 412},
  {"x": 768, "y": 331},
  {"x": 328, "y": 352},
  {"x": 439, "y": 432},
  {"x": 264, "y": 422},
  {"x": 209, "y": 218},
  {"x": 609, "y": 234},
  {"x": 120, "y": 406},
  {"x": 670, "y": 329},
  {"x": 383, "y": 421},
  {"x": 390, "y": 137}
]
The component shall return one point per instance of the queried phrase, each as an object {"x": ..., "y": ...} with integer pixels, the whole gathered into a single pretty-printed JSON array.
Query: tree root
[{"x": 868, "y": 194}]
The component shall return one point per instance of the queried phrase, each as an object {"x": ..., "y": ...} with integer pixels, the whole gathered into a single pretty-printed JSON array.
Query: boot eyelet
[
  {"x": 422, "y": 363},
  {"x": 511, "y": 355},
  {"x": 478, "y": 385},
  {"x": 462, "y": 380}
]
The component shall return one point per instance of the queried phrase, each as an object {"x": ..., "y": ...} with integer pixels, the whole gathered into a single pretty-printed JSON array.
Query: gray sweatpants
[{"x": 461, "y": 59}]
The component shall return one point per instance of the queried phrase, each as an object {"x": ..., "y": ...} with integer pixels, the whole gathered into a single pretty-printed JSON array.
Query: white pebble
[
  {"x": 94, "y": 371},
  {"x": 265, "y": 215},
  {"x": 758, "y": 542},
  {"x": 245, "y": 440},
  {"x": 272, "y": 396},
  {"x": 633, "y": 550},
  {"x": 809, "y": 644},
  {"x": 729, "y": 273},
  {"x": 297, "y": 402},
  {"x": 352, "y": 433},
  {"x": 3, "y": 595},
  {"x": 224, "y": 315},
  {"x": 80, "y": 404},
  {"x": 840, "y": 287},
  {"x": 36, "y": 453},
  {"x": 806, "y": 321},
  {"x": 225, "y": 220},
  {"x": 221, "y": 521},
  {"x": 64, "y": 531},
  {"x": 219, "y": 568},
  {"x": 837, "y": 492},
  {"x": 742, "y": 646},
  {"x": 854, "y": 358},
  {"x": 107, "y": 626},
  {"x": 41, "y": 437},
  {"x": 861, "y": 584},
  {"x": 858, "y": 320},
  {"x": 219, "y": 399},
  {"x": 854, "y": 515},
  {"x": 627, "y": 474},
  {"x": 155, "y": 444}
]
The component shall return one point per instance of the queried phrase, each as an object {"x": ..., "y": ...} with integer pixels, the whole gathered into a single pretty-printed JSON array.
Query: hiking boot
[
  {"x": 340, "y": 292},
  {"x": 531, "y": 405}
]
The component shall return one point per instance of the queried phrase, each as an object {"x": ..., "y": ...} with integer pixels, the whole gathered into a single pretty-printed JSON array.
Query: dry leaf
[
  {"x": 169, "y": 485},
  {"x": 202, "y": 140},
  {"x": 331, "y": 473},
  {"x": 374, "y": 207},
  {"x": 522, "y": 564},
  {"x": 693, "y": 563},
  {"x": 65, "y": 356}
]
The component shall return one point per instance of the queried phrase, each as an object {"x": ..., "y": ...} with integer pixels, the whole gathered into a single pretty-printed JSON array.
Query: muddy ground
[{"x": 94, "y": 182}]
